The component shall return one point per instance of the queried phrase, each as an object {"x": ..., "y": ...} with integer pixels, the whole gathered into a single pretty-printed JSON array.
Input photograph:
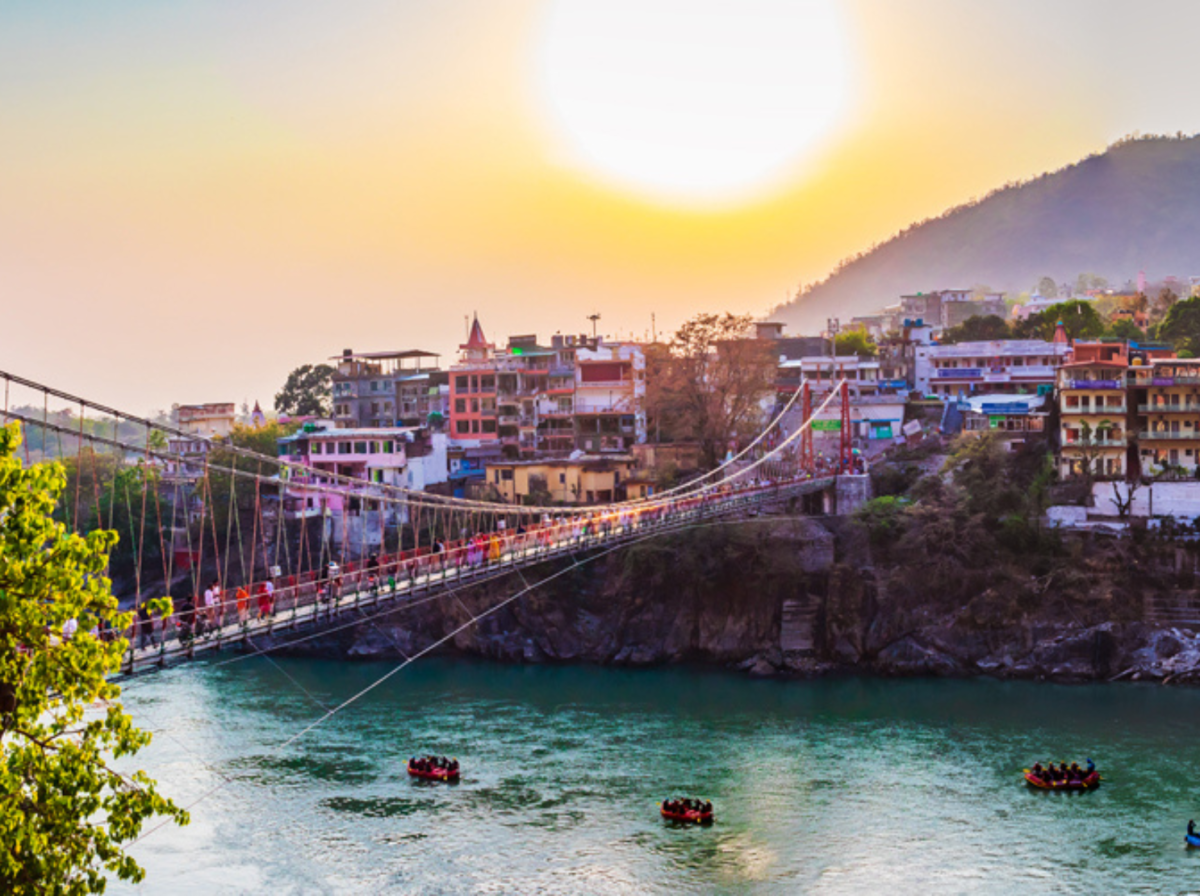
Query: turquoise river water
[{"x": 844, "y": 786}]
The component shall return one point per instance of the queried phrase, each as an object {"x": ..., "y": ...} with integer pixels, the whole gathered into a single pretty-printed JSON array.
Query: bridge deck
[{"x": 304, "y": 606}]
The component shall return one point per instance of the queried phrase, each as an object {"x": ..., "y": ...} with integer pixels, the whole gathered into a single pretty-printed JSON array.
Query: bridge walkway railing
[{"x": 322, "y": 601}]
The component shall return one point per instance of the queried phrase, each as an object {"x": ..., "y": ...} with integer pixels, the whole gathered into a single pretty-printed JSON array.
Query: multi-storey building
[
  {"x": 947, "y": 308},
  {"x": 423, "y": 399},
  {"x": 1167, "y": 392},
  {"x": 473, "y": 389},
  {"x": 1093, "y": 410},
  {"x": 876, "y": 408},
  {"x": 610, "y": 396},
  {"x": 376, "y": 457},
  {"x": 201, "y": 423},
  {"x": 365, "y": 385},
  {"x": 976, "y": 368},
  {"x": 577, "y": 393}
]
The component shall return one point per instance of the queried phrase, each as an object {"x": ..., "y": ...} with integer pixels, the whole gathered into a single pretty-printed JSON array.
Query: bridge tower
[
  {"x": 807, "y": 456},
  {"x": 846, "y": 460}
]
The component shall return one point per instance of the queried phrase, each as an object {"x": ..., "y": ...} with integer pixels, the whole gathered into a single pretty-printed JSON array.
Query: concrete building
[
  {"x": 610, "y": 397},
  {"x": 586, "y": 479},
  {"x": 876, "y": 410},
  {"x": 1015, "y": 419},
  {"x": 1006, "y": 365},
  {"x": 364, "y": 385},
  {"x": 200, "y": 423},
  {"x": 947, "y": 308},
  {"x": 377, "y": 457},
  {"x": 473, "y": 390},
  {"x": 1167, "y": 393},
  {"x": 1093, "y": 410}
]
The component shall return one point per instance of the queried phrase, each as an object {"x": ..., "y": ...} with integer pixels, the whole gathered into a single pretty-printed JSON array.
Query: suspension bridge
[{"x": 222, "y": 543}]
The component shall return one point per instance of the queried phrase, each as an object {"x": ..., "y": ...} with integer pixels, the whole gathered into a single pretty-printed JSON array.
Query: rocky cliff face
[{"x": 733, "y": 596}]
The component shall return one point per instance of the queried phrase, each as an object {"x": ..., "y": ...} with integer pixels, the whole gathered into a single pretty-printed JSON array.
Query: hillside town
[{"x": 581, "y": 419}]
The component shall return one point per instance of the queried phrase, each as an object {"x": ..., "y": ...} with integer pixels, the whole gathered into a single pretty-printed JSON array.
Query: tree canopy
[
  {"x": 307, "y": 392},
  {"x": 1080, "y": 319},
  {"x": 710, "y": 383},
  {"x": 981, "y": 328},
  {"x": 65, "y": 811},
  {"x": 856, "y": 342},
  {"x": 1181, "y": 326}
]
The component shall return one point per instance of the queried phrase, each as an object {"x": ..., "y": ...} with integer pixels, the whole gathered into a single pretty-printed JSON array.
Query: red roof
[{"x": 476, "y": 340}]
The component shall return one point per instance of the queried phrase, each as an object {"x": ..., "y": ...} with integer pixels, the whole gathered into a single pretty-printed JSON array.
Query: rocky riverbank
[{"x": 765, "y": 597}]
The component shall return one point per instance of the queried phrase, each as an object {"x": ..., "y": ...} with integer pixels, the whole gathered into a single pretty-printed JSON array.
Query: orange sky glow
[{"x": 197, "y": 199}]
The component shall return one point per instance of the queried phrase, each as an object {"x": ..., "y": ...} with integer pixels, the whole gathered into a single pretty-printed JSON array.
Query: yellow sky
[{"x": 196, "y": 200}]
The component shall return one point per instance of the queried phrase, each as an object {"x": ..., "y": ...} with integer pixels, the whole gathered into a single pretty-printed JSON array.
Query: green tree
[
  {"x": 1080, "y": 319},
  {"x": 1047, "y": 288},
  {"x": 1181, "y": 326},
  {"x": 1125, "y": 329},
  {"x": 1162, "y": 304},
  {"x": 981, "y": 328},
  {"x": 307, "y": 392},
  {"x": 65, "y": 812},
  {"x": 856, "y": 342}
]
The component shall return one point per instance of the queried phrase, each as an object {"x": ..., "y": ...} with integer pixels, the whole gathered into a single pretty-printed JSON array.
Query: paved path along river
[{"x": 847, "y": 786}]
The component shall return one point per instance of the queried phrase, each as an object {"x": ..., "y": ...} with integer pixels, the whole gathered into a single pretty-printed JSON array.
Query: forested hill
[{"x": 1133, "y": 207}]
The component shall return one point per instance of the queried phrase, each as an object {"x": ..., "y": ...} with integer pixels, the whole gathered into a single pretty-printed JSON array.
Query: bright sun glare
[{"x": 694, "y": 101}]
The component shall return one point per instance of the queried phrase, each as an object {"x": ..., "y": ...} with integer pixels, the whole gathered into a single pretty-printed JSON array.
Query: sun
[{"x": 693, "y": 101}]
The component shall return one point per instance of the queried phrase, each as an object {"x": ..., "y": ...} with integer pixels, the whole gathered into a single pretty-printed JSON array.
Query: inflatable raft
[
  {"x": 434, "y": 774},
  {"x": 691, "y": 815},
  {"x": 1090, "y": 782},
  {"x": 1192, "y": 840}
]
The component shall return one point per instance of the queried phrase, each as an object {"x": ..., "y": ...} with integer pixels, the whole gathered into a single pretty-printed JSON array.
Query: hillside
[{"x": 1133, "y": 207}]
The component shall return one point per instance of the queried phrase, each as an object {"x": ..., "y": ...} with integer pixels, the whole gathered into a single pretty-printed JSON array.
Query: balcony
[
  {"x": 1154, "y": 435},
  {"x": 1111, "y": 385},
  {"x": 1190, "y": 407},
  {"x": 1097, "y": 411},
  {"x": 1080, "y": 444}
]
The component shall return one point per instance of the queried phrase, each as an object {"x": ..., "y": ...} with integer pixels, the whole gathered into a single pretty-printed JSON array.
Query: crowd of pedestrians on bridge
[{"x": 210, "y": 611}]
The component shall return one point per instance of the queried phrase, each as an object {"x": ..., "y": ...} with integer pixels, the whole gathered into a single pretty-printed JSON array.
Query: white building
[
  {"x": 610, "y": 396},
  {"x": 976, "y": 368}
]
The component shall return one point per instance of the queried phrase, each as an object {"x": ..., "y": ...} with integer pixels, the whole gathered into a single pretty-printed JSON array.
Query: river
[{"x": 836, "y": 786}]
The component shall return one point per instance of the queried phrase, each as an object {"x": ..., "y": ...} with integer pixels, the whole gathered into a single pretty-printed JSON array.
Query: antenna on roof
[{"x": 594, "y": 317}]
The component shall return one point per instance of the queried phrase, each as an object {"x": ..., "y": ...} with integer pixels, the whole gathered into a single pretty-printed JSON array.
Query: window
[
  {"x": 389, "y": 447},
  {"x": 343, "y": 448},
  {"x": 316, "y": 448},
  {"x": 462, "y": 427},
  {"x": 374, "y": 386},
  {"x": 489, "y": 426},
  {"x": 373, "y": 448},
  {"x": 562, "y": 478},
  {"x": 506, "y": 475},
  {"x": 462, "y": 383},
  {"x": 360, "y": 447},
  {"x": 487, "y": 384},
  {"x": 460, "y": 405},
  {"x": 496, "y": 476},
  {"x": 474, "y": 426}
]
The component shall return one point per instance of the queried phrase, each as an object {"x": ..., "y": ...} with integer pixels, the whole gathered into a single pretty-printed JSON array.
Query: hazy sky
[{"x": 196, "y": 197}]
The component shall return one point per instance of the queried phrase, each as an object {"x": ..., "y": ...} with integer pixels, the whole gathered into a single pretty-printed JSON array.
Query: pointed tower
[
  {"x": 1060, "y": 333},
  {"x": 476, "y": 348},
  {"x": 257, "y": 417}
]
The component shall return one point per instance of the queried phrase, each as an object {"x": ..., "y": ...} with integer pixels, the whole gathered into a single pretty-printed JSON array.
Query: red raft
[
  {"x": 692, "y": 815},
  {"x": 1090, "y": 782},
  {"x": 434, "y": 774}
]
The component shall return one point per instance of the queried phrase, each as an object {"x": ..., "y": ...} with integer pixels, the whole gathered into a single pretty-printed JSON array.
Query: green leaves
[{"x": 64, "y": 811}]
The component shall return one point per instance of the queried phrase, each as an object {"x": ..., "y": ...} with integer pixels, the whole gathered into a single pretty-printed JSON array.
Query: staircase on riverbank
[
  {"x": 1176, "y": 610},
  {"x": 797, "y": 624}
]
